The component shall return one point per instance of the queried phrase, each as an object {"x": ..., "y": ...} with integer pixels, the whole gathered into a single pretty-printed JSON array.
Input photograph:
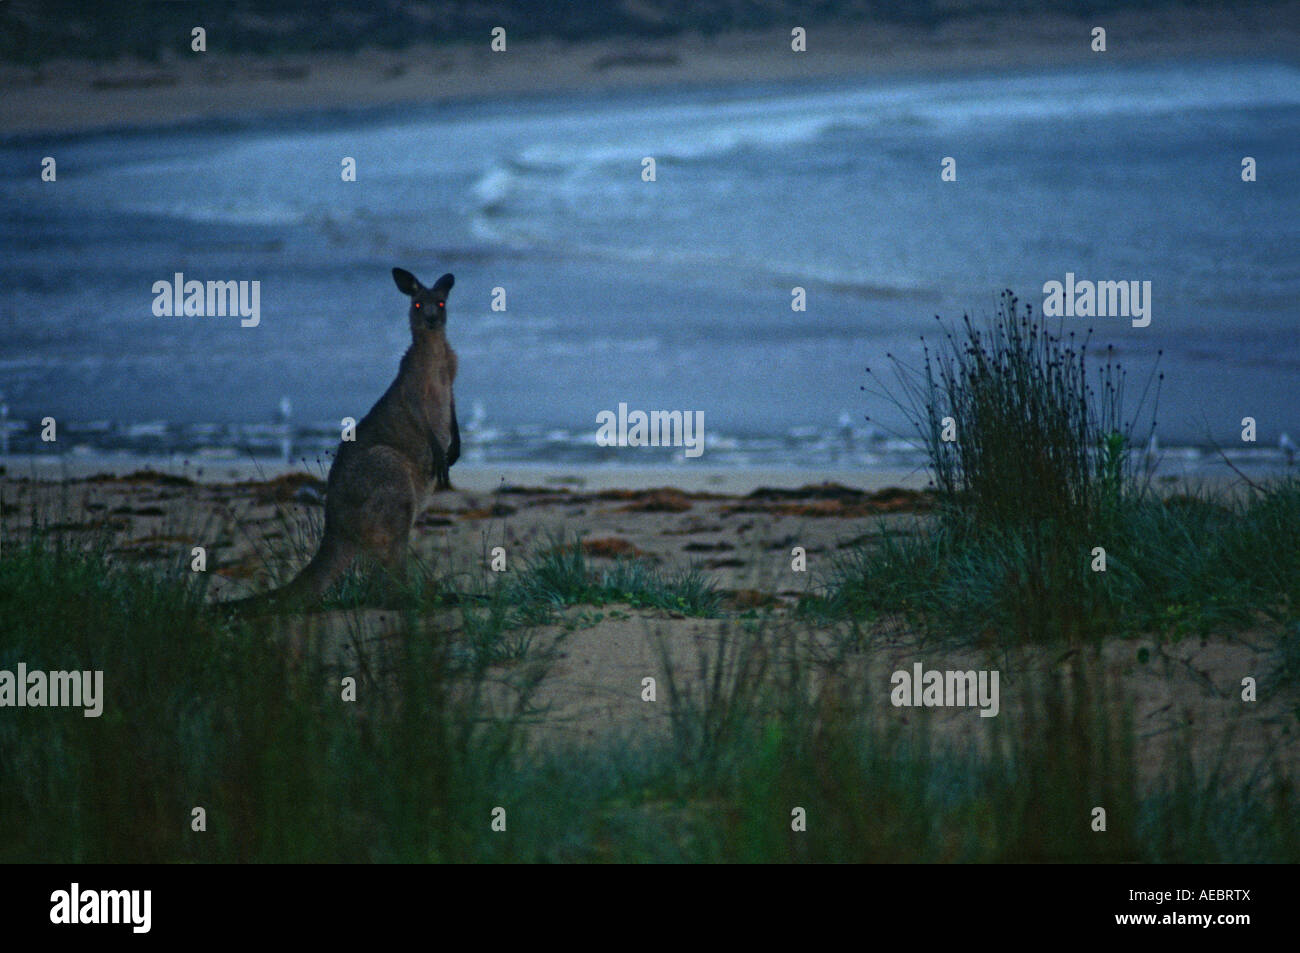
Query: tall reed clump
[
  {"x": 1018, "y": 430},
  {"x": 1029, "y": 446}
]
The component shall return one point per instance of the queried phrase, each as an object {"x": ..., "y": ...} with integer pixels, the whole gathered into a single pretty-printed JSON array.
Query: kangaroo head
[{"x": 428, "y": 305}]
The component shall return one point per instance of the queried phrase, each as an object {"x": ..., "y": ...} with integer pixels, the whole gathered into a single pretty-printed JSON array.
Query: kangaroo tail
[{"x": 330, "y": 562}]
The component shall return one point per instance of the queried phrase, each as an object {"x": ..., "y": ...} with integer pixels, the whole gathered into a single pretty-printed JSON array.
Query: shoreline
[
  {"x": 68, "y": 97},
  {"x": 481, "y": 478}
]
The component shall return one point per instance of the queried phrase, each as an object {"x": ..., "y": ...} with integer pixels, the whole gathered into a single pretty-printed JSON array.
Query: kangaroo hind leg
[{"x": 384, "y": 517}]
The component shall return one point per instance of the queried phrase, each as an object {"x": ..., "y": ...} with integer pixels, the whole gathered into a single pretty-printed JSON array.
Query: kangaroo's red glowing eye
[
  {"x": 441, "y": 303},
  {"x": 418, "y": 306}
]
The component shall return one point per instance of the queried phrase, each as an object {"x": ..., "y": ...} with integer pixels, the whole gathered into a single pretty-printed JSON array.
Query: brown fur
[{"x": 377, "y": 481}]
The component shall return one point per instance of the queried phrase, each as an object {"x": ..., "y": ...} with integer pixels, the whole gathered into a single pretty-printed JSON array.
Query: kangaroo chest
[{"x": 430, "y": 374}]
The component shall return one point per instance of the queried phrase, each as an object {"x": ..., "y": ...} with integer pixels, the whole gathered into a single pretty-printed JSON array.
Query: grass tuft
[{"x": 1039, "y": 489}]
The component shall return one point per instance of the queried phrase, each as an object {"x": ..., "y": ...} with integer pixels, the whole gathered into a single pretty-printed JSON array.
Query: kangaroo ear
[
  {"x": 444, "y": 284},
  {"x": 407, "y": 283}
]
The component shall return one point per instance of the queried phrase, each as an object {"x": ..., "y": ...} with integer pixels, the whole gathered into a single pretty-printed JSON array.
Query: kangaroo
[{"x": 378, "y": 480}]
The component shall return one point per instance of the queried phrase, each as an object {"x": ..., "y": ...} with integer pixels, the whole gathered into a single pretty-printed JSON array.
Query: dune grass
[
  {"x": 200, "y": 713},
  {"x": 558, "y": 576},
  {"x": 562, "y": 576},
  {"x": 1176, "y": 566},
  {"x": 1030, "y": 447}
]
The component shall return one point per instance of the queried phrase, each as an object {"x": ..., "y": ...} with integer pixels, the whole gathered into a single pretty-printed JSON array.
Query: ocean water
[{"x": 666, "y": 295}]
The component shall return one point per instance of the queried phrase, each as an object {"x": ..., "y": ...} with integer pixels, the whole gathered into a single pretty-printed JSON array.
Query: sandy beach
[
  {"x": 78, "y": 96},
  {"x": 742, "y": 540}
]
